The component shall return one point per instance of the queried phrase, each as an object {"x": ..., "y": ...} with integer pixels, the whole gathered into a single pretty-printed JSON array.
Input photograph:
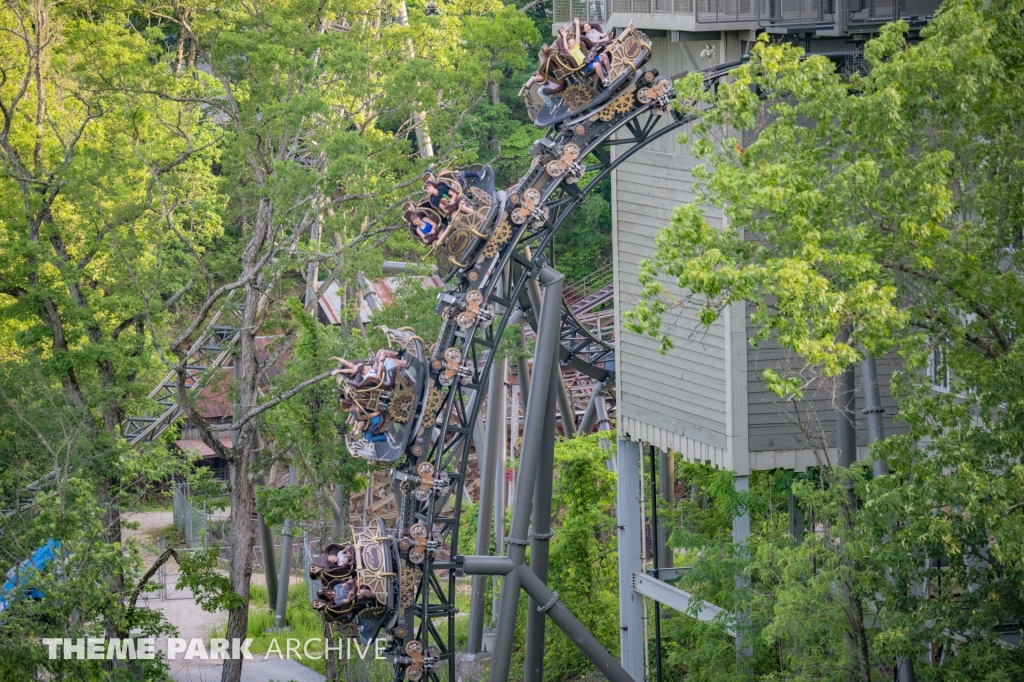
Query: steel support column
[
  {"x": 590, "y": 414},
  {"x": 873, "y": 409},
  {"x": 629, "y": 517},
  {"x": 666, "y": 488},
  {"x": 740, "y": 535},
  {"x": 573, "y": 629},
  {"x": 549, "y": 328},
  {"x": 564, "y": 400},
  {"x": 540, "y": 534},
  {"x": 281, "y": 613},
  {"x": 487, "y": 457},
  {"x": 846, "y": 420}
]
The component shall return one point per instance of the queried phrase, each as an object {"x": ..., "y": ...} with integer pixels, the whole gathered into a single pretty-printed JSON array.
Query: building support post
[
  {"x": 740, "y": 535},
  {"x": 545, "y": 364},
  {"x": 630, "y": 526},
  {"x": 266, "y": 537},
  {"x": 487, "y": 457},
  {"x": 873, "y": 411},
  {"x": 656, "y": 543},
  {"x": 846, "y": 420},
  {"x": 540, "y": 534},
  {"x": 666, "y": 488}
]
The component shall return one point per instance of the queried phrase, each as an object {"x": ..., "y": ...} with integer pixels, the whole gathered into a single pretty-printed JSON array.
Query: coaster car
[
  {"x": 581, "y": 94},
  {"x": 367, "y": 597},
  {"x": 384, "y": 396},
  {"x": 466, "y": 226},
  {"x": 337, "y": 562}
]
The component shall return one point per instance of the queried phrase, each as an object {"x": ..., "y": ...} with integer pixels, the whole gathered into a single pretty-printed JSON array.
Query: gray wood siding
[
  {"x": 682, "y": 392},
  {"x": 774, "y": 424}
]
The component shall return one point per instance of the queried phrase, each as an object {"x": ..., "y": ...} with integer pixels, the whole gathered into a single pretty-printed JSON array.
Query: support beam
[
  {"x": 498, "y": 479},
  {"x": 487, "y": 565},
  {"x": 629, "y": 519},
  {"x": 846, "y": 419},
  {"x": 281, "y": 612},
  {"x": 549, "y": 328},
  {"x": 740, "y": 535},
  {"x": 524, "y": 369},
  {"x": 564, "y": 400},
  {"x": 487, "y": 459},
  {"x": 680, "y": 600},
  {"x": 573, "y": 629},
  {"x": 873, "y": 409},
  {"x": 540, "y": 535},
  {"x": 667, "y": 489},
  {"x": 605, "y": 424},
  {"x": 590, "y": 414}
]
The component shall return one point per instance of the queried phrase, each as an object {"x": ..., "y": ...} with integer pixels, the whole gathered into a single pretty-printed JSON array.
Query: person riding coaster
[
  {"x": 457, "y": 215},
  {"x": 383, "y": 395},
  {"x": 365, "y": 597},
  {"x": 583, "y": 70}
]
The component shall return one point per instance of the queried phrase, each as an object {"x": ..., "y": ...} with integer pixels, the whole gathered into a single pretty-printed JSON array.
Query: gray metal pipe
[
  {"x": 573, "y": 629},
  {"x": 564, "y": 399},
  {"x": 873, "y": 409},
  {"x": 533, "y": 668},
  {"x": 498, "y": 479},
  {"x": 487, "y": 457},
  {"x": 487, "y": 565},
  {"x": 846, "y": 419},
  {"x": 549, "y": 328},
  {"x": 524, "y": 369},
  {"x": 590, "y": 414},
  {"x": 605, "y": 424},
  {"x": 280, "y": 615},
  {"x": 666, "y": 488}
]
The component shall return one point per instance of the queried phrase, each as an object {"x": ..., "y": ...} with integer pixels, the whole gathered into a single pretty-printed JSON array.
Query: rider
[
  {"x": 597, "y": 61},
  {"x": 569, "y": 46}
]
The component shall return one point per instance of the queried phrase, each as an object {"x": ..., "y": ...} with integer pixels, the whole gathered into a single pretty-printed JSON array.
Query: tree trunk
[
  {"x": 243, "y": 497},
  {"x": 242, "y": 505}
]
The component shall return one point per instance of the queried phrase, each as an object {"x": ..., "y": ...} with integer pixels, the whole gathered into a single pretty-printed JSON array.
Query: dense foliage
[{"x": 879, "y": 213}]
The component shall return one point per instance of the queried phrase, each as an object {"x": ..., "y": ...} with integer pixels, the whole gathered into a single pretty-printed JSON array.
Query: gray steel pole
[
  {"x": 605, "y": 424},
  {"x": 533, "y": 668},
  {"x": 572, "y": 628},
  {"x": 564, "y": 400},
  {"x": 666, "y": 488},
  {"x": 549, "y": 327},
  {"x": 499, "y": 489},
  {"x": 796, "y": 521},
  {"x": 487, "y": 457},
  {"x": 629, "y": 518},
  {"x": 590, "y": 414},
  {"x": 284, "y": 581},
  {"x": 873, "y": 409},
  {"x": 524, "y": 369},
  {"x": 846, "y": 420}
]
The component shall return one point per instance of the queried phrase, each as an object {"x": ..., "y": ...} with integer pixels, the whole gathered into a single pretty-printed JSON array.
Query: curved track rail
[{"x": 606, "y": 142}]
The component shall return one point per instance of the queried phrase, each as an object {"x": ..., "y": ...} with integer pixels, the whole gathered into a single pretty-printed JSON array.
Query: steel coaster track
[{"x": 514, "y": 266}]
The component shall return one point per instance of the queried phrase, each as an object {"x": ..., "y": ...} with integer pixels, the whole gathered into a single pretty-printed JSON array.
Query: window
[{"x": 938, "y": 369}]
